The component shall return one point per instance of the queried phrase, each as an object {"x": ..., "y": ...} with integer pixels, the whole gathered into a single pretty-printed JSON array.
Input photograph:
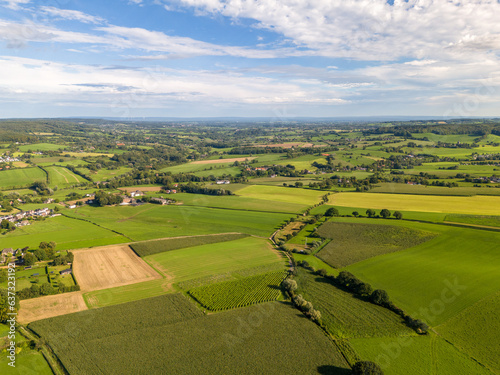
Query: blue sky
[{"x": 274, "y": 58}]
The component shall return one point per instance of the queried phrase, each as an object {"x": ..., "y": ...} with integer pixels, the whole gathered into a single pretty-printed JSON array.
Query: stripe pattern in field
[
  {"x": 240, "y": 293},
  {"x": 110, "y": 266}
]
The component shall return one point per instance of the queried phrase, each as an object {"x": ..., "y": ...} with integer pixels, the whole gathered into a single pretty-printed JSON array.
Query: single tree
[
  {"x": 398, "y": 215},
  {"x": 29, "y": 259},
  {"x": 332, "y": 211},
  {"x": 366, "y": 368},
  {"x": 355, "y": 213},
  {"x": 289, "y": 285},
  {"x": 385, "y": 213},
  {"x": 370, "y": 212},
  {"x": 380, "y": 297}
]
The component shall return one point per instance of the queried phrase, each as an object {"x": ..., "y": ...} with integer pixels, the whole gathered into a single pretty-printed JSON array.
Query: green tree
[
  {"x": 355, "y": 213},
  {"x": 289, "y": 285},
  {"x": 40, "y": 254},
  {"x": 385, "y": 213},
  {"x": 366, "y": 368},
  {"x": 332, "y": 211},
  {"x": 398, "y": 215},
  {"x": 370, "y": 212},
  {"x": 380, "y": 297},
  {"x": 47, "y": 289},
  {"x": 29, "y": 259}
]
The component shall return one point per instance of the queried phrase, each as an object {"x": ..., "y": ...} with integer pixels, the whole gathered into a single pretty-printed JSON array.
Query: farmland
[
  {"x": 59, "y": 176},
  {"x": 282, "y": 194},
  {"x": 476, "y": 205},
  {"x": 159, "y": 246},
  {"x": 19, "y": 178},
  {"x": 211, "y": 259},
  {"x": 50, "y": 306},
  {"x": 275, "y": 340},
  {"x": 356, "y": 242},
  {"x": 239, "y": 293}
]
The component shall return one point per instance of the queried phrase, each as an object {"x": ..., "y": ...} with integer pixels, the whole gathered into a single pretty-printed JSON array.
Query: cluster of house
[
  {"x": 223, "y": 182},
  {"x": 8, "y": 252},
  {"x": 21, "y": 218},
  {"x": 134, "y": 194},
  {"x": 7, "y": 159}
]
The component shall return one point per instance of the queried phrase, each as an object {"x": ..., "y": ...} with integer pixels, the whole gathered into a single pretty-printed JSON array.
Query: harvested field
[
  {"x": 140, "y": 188},
  {"x": 50, "y": 306},
  {"x": 218, "y": 161},
  {"x": 287, "y": 145},
  {"x": 110, "y": 266}
]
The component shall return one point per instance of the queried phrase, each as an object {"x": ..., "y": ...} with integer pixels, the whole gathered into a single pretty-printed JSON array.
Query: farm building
[
  {"x": 160, "y": 201},
  {"x": 136, "y": 193},
  {"x": 67, "y": 271}
]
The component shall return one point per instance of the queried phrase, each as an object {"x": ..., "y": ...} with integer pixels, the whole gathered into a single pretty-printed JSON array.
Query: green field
[
  {"x": 475, "y": 332},
  {"x": 460, "y": 261},
  {"x": 268, "y": 338},
  {"x": 41, "y": 147},
  {"x": 238, "y": 203},
  {"x": 282, "y": 194},
  {"x": 477, "y": 205},
  {"x": 62, "y": 177},
  {"x": 345, "y": 315},
  {"x": 490, "y": 221},
  {"x": 393, "y": 188},
  {"x": 422, "y": 355},
  {"x": 153, "y": 221},
  {"x": 240, "y": 293},
  {"x": 205, "y": 260},
  {"x": 19, "y": 178},
  {"x": 159, "y": 246},
  {"x": 353, "y": 242},
  {"x": 67, "y": 233}
]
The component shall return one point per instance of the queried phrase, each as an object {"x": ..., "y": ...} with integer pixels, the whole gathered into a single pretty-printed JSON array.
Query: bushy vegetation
[
  {"x": 239, "y": 293},
  {"x": 356, "y": 242},
  {"x": 159, "y": 246}
]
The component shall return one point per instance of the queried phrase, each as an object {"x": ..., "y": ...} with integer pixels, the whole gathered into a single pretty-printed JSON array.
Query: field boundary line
[
  {"x": 100, "y": 226},
  {"x": 457, "y": 225}
]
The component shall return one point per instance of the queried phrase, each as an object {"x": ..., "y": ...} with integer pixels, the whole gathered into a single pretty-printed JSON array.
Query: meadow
[
  {"x": 41, "y": 147},
  {"x": 205, "y": 260},
  {"x": 152, "y": 221},
  {"x": 345, "y": 315},
  {"x": 462, "y": 261},
  {"x": 67, "y": 233},
  {"x": 476, "y": 205},
  {"x": 62, "y": 177},
  {"x": 159, "y": 246},
  {"x": 491, "y": 221},
  {"x": 282, "y": 194},
  {"x": 20, "y": 178},
  {"x": 240, "y": 293},
  {"x": 475, "y": 332},
  {"x": 353, "y": 242},
  {"x": 270, "y": 338},
  {"x": 422, "y": 355}
]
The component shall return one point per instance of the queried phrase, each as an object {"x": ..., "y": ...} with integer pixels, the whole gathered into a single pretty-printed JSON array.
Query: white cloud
[
  {"x": 71, "y": 15},
  {"x": 14, "y": 4}
]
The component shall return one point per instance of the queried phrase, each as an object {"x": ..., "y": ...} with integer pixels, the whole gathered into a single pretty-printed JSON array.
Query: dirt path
[{"x": 63, "y": 176}]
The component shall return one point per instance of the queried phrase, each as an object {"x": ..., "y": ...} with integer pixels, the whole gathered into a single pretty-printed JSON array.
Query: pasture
[
  {"x": 269, "y": 338},
  {"x": 159, "y": 246},
  {"x": 477, "y": 205},
  {"x": 353, "y": 242},
  {"x": 461, "y": 261},
  {"x": 50, "y": 306},
  {"x": 206, "y": 260},
  {"x": 20, "y": 178},
  {"x": 66, "y": 232},
  {"x": 490, "y": 221},
  {"x": 345, "y": 315},
  {"x": 282, "y": 194},
  {"x": 153, "y": 221},
  {"x": 110, "y": 266},
  {"x": 420, "y": 355},
  {"x": 61, "y": 177},
  {"x": 41, "y": 147},
  {"x": 475, "y": 331}
]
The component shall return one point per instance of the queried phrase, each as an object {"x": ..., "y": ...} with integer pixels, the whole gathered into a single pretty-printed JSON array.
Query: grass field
[
  {"x": 62, "y": 177},
  {"x": 282, "y": 194},
  {"x": 153, "y": 221},
  {"x": 67, "y": 233},
  {"x": 205, "y": 260},
  {"x": 240, "y": 293},
  {"x": 352, "y": 242},
  {"x": 475, "y": 331},
  {"x": 426, "y": 355},
  {"x": 491, "y": 221},
  {"x": 238, "y": 203},
  {"x": 41, "y": 147},
  {"x": 345, "y": 315},
  {"x": 270, "y": 338},
  {"x": 460, "y": 261},
  {"x": 19, "y": 178},
  {"x": 159, "y": 246},
  {"x": 477, "y": 205},
  {"x": 393, "y": 188}
]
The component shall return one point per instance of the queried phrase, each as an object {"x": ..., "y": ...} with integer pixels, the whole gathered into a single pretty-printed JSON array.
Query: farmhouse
[
  {"x": 6, "y": 252},
  {"x": 161, "y": 201},
  {"x": 67, "y": 271},
  {"x": 136, "y": 193},
  {"x": 223, "y": 182}
]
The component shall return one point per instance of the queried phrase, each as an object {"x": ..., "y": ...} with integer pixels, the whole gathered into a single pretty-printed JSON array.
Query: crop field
[
  {"x": 417, "y": 355},
  {"x": 240, "y": 293},
  {"x": 460, "y": 261},
  {"x": 50, "y": 306},
  {"x": 219, "y": 161},
  {"x": 282, "y": 194},
  {"x": 269, "y": 338},
  {"x": 159, "y": 246},
  {"x": 205, "y": 260},
  {"x": 477, "y": 205},
  {"x": 153, "y": 221},
  {"x": 107, "y": 174},
  {"x": 67, "y": 233},
  {"x": 345, "y": 315},
  {"x": 304, "y": 162},
  {"x": 60, "y": 176},
  {"x": 109, "y": 266},
  {"x": 475, "y": 331},
  {"x": 19, "y": 178},
  {"x": 41, "y": 147},
  {"x": 238, "y": 203},
  {"x": 490, "y": 221},
  {"x": 393, "y": 188},
  {"x": 213, "y": 166},
  {"x": 352, "y": 242}
]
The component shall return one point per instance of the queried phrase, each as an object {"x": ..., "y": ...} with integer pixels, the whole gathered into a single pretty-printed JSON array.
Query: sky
[{"x": 249, "y": 58}]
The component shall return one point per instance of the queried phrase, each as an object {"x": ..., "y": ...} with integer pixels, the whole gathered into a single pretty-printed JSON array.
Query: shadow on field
[{"x": 333, "y": 370}]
